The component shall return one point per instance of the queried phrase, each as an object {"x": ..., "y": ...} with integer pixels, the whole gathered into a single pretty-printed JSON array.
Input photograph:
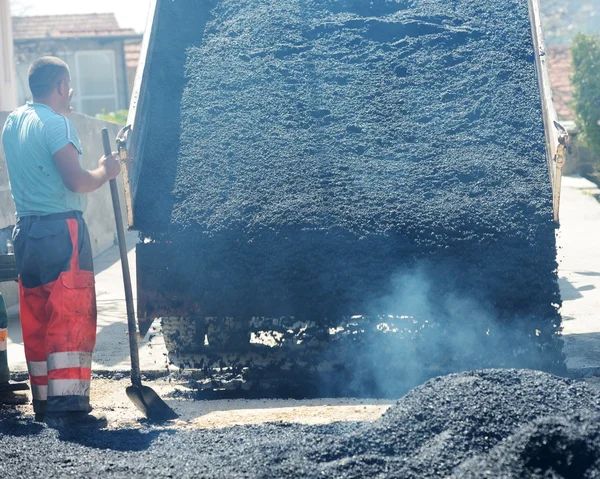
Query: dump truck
[{"x": 326, "y": 180}]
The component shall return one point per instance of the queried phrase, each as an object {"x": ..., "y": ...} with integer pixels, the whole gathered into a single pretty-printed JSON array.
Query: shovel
[{"x": 144, "y": 398}]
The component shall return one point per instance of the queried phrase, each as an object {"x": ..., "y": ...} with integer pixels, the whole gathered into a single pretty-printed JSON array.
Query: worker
[
  {"x": 7, "y": 388},
  {"x": 52, "y": 245}
]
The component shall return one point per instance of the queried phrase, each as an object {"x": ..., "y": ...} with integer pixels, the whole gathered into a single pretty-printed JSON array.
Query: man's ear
[{"x": 63, "y": 88}]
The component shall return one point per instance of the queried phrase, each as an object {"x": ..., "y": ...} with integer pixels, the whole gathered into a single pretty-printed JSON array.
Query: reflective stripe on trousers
[
  {"x": 68, "y": 387},
  {"x": 38, "y": 376},
  {"x": 67, "y": 364},
  {"x": 3, "y": 339},
  {"x": 69, "y": 373},
  {"x": 69, "y": 359}
]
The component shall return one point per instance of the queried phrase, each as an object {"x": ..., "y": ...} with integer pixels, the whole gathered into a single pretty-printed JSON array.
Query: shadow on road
[
  {"x": 13, "y": 423},
  {"x": 587, "y": 273},
  {"x": 111, "y": 256},
  {"x": 112, "y": 348},
  {"x": 111, "y": 345},
  {"x": 123, "y": 440},
  {"x": 569, "y": 292}
]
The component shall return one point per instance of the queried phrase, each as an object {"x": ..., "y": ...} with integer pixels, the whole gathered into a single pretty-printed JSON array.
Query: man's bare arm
[{"x": 80, "y": 180}]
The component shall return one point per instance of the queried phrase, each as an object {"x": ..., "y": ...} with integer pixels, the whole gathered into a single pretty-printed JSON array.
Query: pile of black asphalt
[
  {"x": 489, "y": 423},
  {"x": 301, "y": 155},
  {"x": 552, "y": 447}
]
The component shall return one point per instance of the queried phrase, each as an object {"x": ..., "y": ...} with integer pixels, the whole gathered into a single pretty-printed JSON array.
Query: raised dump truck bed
[{"x": 318, "y": 160}]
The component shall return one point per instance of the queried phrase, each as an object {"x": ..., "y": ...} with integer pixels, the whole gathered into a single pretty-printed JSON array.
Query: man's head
[{"x": 49, "y": 81}]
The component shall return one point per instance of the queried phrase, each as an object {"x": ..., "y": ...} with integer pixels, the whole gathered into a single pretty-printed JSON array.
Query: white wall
[{"x": 8, "y": 90}]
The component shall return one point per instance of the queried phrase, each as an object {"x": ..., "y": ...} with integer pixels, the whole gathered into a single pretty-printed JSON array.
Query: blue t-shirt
[{"x": 31, "y": 135}]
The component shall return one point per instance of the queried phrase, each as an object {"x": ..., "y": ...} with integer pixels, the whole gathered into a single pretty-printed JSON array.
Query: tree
[
  {"x": 586, "y": 82},
  {"x": 119, "y": 116}
]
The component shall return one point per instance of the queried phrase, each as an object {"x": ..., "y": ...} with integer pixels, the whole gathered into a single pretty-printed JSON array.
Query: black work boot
[
  {"x": 10, "y": 398},
  {"x": 39, "y": 408},
  {"x": 67, "y": 419}
]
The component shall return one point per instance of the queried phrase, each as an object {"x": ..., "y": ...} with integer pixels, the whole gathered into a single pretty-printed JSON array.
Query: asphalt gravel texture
[
  {"x": 551, "y": 447},
  {"x": 302, "y": 155},
  {"x": 491, "y": 423}
]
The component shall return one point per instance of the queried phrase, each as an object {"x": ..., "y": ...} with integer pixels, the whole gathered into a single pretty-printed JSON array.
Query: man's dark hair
[{"x": 44, "y": 75}]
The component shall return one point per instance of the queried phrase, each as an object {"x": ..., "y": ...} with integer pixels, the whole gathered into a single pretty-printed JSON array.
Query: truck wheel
[
  {"x": 183, "y": 334},
  {"x": 228, "y": 333}
]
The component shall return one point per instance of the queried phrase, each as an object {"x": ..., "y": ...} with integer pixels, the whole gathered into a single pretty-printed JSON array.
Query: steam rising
[{"x": 430, "y": 329}]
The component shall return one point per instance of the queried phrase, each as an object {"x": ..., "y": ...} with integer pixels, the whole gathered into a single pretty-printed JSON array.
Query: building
[
  {"x": 8, "y": 90},
  {"x": 132, "y": 57},
  {"x": 94, "y": 47},
  {"x": 560, "y": 66}
]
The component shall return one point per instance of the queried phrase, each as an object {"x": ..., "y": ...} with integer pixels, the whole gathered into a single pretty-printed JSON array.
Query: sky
[{"x": 129, "y": 13}]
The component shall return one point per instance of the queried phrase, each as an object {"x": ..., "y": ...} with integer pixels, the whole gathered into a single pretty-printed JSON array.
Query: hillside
[{"x": 564, "y": 18}]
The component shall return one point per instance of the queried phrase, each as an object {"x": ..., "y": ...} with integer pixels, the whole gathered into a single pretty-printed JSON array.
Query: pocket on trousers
[
  {"x": 79, "y": 293},
  {"x": 49, "y": 245},
  {"x": 44, "y": 229},
  {"x": 74, "y": 299},
  {"x": 78, "y": 279}
]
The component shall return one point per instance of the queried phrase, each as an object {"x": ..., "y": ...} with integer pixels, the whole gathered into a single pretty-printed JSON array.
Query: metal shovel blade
[{"x": 149, "y": 403}]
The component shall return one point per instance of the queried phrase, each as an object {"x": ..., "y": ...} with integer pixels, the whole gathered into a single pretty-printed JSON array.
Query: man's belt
[{"x": 51, "y": 217}]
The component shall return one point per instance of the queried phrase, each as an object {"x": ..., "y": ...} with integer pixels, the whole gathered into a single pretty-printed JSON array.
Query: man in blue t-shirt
[{"x": 52, "y": 245}]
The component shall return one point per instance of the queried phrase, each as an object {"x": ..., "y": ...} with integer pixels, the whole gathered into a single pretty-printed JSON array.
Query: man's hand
[{"x": 111, "y": 165}]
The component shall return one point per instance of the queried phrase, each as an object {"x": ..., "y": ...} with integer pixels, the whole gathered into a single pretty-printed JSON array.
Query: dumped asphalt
[
  {"x": 567, "y": 446},
  {"x": 320, "y": 151},
  {"x": 455, "y": 423}
]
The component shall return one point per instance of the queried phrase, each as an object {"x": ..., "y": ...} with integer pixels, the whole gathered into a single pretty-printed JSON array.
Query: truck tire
[
  {"x": 183, "y": 334},
  {"x": 227, "y": 333}
]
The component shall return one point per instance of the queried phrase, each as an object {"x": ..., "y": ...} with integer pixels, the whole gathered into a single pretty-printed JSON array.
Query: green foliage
[
  {"x": 586, "y": 82},
  {"x": 119, "y": 116}
]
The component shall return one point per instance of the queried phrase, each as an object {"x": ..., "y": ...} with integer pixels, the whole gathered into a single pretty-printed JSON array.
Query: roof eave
[{"x": 137, "y": 36}]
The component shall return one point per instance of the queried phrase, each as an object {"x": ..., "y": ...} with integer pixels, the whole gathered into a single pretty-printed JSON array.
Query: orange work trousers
[{"x": 58, "y": 308}]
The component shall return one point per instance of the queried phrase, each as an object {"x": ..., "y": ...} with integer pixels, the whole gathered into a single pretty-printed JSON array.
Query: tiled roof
[
  {"x": 560, "y": 65},
  {"x": 132, "y": 54},
  {"x": 56, "y": 26}
]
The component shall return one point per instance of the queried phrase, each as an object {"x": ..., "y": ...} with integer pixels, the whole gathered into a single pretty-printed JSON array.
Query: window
[
  {"x": 23, "y": 93},
  {"x": 95, "y": 82}
]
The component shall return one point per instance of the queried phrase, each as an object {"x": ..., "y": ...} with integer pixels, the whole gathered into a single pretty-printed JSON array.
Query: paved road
[
  {"x": 430, "y": 431},
  {"x": 579, "y": 272}
]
